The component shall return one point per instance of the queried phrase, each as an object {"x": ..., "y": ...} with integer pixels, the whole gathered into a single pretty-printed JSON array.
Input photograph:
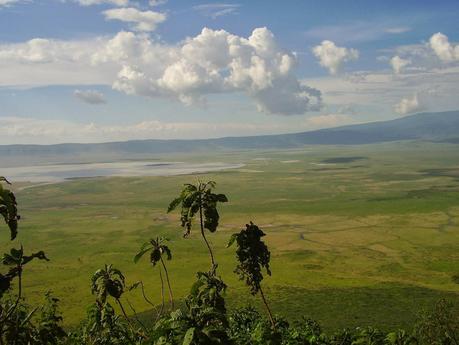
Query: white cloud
[
  {"x": 6, "y": 3},
  {"x": 39, "y": 62},
  {"x": 100, "y": 2},
  {"x": 397, "y": 29},
  {"x": 154, "y": 3},
  {"x": 408, "y": 105},
  {"x": 35, "y": 50},
  {"x": 377, "y": 92},
  {"x": 445, "y": 51},
  {"x": 40, "y": 131},
  {"x": 332, "y": 57},
  {"x": 90, "y": 96},
  {"x": 329, "y": 120},
  {"x": 214, "y": 61},
  {"x": 141, "y": 20},
  {"x": 398, "y": 64},
  {"x": 356, "y": 31},
  {"x": 215, "y": 10}
]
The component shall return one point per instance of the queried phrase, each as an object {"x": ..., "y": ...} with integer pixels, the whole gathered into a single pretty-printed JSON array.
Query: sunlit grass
[{"x": 350, "y": 239}]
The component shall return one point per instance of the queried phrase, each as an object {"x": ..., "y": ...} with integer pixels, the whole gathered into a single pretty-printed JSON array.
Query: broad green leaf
[
  {"x": 231, "y": 241},
  {"x": 141, "y": 253},
  {"x": 189, "y": 336}
]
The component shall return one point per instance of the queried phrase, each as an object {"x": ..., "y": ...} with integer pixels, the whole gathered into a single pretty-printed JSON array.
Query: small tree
[
  {"x": 8, "y": 208},
  {"x": 157, "y": 248},
  {"x": 109, "y": 281},
  {"x": 199, "y": 199},
  {"x": 253, "y": 255}
]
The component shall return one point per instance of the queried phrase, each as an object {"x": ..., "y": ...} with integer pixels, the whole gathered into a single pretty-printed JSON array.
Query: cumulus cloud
[
  {"x": 214, "y": 61},
  {"x": 100, "y": 2},
  {"x": 332, "y": 57},
  {"x": 398, "y": 64},
  {"x": 215, "y": 10},
  {"x": 445, "y": 51},
  {"x": 90, "y": 96},
  {"x": 377, "y": 92},
  {"x": 141, "y": 20},
  {"x": 40, "y": 62},
  {"x": 408, "y": 105}
]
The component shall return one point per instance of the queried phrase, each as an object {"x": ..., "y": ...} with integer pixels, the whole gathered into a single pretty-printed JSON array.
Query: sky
[{"x": 109, "y": 70}]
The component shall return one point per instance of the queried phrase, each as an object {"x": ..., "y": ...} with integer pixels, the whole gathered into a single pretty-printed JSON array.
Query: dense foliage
[{"x": 202, "y": 317}]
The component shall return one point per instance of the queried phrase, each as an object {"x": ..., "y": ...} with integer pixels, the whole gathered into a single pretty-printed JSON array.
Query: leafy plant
[
  {"x": 199, "y": 199},
  {"x": 157, "y": 249},
  {"x": 252, "y": 255},
  {"x": 439, "y": 326},
  {"x": 49, "y": 328},
  {"x": 204, "y": 319},
  {"x": 8, "y": 208},
  {"x": 400, "y": 337},
  {"x": 103, "y": 327},
  {"x": 109, "y": 281},
  {"x": 16, "y": 260}
]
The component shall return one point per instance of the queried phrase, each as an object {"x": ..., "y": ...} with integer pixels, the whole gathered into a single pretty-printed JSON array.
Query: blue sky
[{"x": 102, "y": 70}]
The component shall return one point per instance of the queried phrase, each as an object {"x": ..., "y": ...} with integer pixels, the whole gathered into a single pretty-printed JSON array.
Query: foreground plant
[
  {"x": 8, "y": 208},
  {"x": 253, "y": 255},
  {"x": 199, "y": 199},
  {"x": 157, "y": 249},
  {"x": 15, "y": 260},
  {"x": 109, "y": 281},
  {"x": 202, "y": 321}
]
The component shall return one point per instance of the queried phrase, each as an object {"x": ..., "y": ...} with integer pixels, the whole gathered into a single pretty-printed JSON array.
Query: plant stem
[
  {"x": 162, "y": 294},
  {"x": 205, "y": 239},
  {"x": 171, "y": 298},
  {"x": 10, "y": 312},
  {"x": 145, "y": 296},
  {"x": 124, "y": 313},
  {"x": 267, "y": 308},
  {"x": 136, "y": 316},
  {"x": 16, "y": 303}
]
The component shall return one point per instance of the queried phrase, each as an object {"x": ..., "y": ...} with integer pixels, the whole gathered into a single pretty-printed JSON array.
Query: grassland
[{"x": 359, "y": 234}]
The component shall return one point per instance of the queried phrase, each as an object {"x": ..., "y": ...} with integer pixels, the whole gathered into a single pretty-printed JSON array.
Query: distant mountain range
[{"x": 441, "y": 126}]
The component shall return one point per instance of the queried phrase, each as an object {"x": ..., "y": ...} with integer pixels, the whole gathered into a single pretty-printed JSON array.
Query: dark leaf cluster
[
  {"x": 253, "y": 256},
  {"x": 107, "y": 281},
  {"x": 8, "y": 208},
  {"x": 195, "y": 199}
]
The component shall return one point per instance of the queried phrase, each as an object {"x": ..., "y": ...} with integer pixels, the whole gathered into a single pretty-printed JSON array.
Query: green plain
[{"x": 370, "y": 239}]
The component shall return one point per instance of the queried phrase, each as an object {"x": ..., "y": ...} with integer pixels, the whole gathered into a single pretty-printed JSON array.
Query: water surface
[{"x": 62, "y": 172}]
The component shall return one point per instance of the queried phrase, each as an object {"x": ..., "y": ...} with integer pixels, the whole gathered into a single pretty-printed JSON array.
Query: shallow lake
[{"x": 62, "y": 172}]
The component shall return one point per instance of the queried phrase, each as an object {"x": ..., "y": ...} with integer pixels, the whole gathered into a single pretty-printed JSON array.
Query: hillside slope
[{"x": 442, "y": 126}]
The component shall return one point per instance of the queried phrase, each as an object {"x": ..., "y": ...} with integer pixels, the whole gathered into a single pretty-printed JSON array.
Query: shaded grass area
[
  {"x": 389, "y": 306},
  {"x": 380, "y": 236}
]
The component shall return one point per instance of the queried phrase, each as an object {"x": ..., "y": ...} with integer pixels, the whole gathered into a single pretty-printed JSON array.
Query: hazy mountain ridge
[{"x": 443, "y": 126}]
